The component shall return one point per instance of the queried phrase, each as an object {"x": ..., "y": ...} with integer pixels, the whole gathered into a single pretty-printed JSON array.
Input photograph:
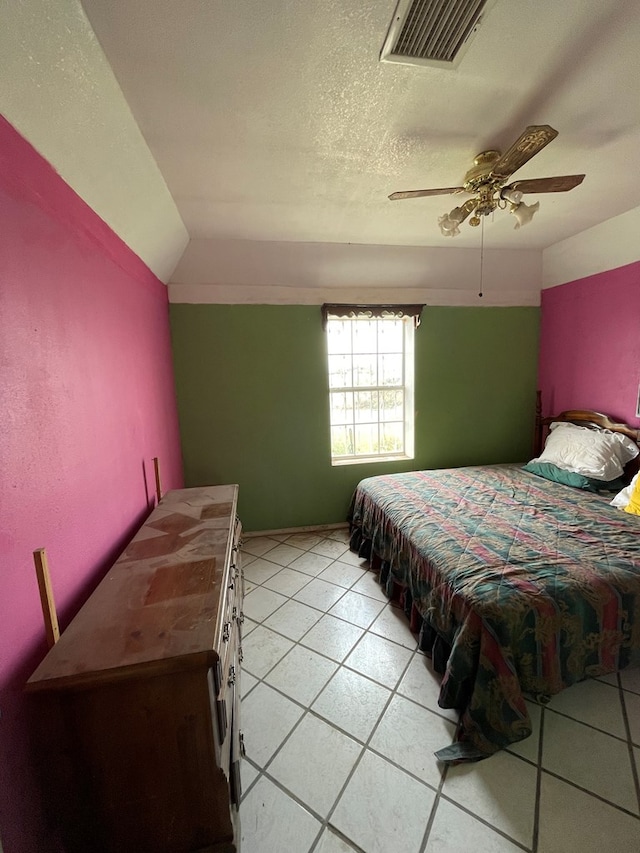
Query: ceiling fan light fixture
[
  {"x": 524, "y": 213},
  {"x": 449, "y": 222},
  {"x": 511, "y": 195}
]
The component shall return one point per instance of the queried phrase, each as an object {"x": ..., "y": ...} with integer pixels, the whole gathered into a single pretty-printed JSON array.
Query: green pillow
[{"x": 569, "y": 478}]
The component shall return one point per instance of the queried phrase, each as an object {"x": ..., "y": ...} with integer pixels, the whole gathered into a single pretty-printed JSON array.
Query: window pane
[
  {"x": 391, "y": 437},
  {"x": 390, "y": 367},
  {"x": 341, "y": 441},
  {"x": 365, "y": 335},
  {"x": 364, "y": 371},
  {"x": 338, "y": 337},
  {"x": 341, "y": 407},
  {"x": 391, "y": 336},
  {"x": 366, "y": 406},
  {"x": 340, "y": 371},
  {"x": 391, "y": 405},
  {"x": 366, "y": 439}
]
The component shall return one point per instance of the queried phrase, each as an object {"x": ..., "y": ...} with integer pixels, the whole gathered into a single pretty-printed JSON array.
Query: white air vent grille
[{"x": 432, "y": 32}]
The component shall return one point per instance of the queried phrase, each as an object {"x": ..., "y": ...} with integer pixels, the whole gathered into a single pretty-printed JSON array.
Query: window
[{"x": 370, "y": 368}]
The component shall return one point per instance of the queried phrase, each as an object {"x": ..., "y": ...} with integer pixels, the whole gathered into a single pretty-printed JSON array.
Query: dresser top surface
[{"x": 161, "y": 600}]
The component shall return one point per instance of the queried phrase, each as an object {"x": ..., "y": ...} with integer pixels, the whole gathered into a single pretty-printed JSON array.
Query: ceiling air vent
[{"x": 433, "y": 32}]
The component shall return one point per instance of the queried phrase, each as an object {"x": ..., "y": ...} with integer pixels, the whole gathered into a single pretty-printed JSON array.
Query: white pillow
[
  {"x": 597, "y": 453},
  {"x": 623, "y": 497}
]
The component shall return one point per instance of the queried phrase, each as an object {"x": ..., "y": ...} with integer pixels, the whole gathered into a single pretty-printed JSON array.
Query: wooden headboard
[{"x": 584, "y": 417}]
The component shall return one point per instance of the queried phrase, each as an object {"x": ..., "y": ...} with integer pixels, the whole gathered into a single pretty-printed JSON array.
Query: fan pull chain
[{"x": 481, "y": 255}]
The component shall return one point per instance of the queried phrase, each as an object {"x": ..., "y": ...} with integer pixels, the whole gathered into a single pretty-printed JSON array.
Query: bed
[{"x": 516, "y": 584}]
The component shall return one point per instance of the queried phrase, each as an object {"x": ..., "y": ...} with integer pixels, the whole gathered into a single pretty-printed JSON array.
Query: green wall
[{"x": 253, "y": 404}]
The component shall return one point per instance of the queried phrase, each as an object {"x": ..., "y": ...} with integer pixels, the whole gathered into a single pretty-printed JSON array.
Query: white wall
[
  {"x": 58, "y": 90},
  {"x": 606, "y": 246},
  {"x": 250, "y": 271}
]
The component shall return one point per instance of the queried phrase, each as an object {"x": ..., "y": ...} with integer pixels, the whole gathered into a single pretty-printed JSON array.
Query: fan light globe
[
  {"x": 449, "y": 222},
  {"x": 524, "y": 213},
  {"x": 512, "y": 196}
]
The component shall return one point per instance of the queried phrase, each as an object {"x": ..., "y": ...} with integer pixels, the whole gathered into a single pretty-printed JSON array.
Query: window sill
[{"x": 370, "y": 460}]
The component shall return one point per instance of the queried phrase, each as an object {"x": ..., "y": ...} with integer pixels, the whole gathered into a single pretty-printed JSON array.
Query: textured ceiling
[{"x": 276, "y": 121}]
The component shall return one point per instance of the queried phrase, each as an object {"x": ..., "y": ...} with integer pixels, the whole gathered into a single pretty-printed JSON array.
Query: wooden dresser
[{"x": 140, "y": 697}]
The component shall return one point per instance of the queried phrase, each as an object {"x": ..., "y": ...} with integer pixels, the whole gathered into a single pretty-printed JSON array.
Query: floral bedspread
[{"x": 533, "y": 585}]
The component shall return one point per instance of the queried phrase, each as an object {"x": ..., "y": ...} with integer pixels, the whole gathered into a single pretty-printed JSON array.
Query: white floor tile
[
  {"x": 341, "y": 574},
  {"x": 311, "y": 564},
  {"x": 315, "y": 762},
  {"x": 369, "y": 585},
  {"x": 358, "y": 609},
  {"x": 259, "y": 571},
  {"x": 258, "y": 545},
  {"x": 332, "y": 843},
  {"x": 631, "y": 679},
  {"x": 287, "y": 582},
  {"x": 632, "y": 704},
  {"x": 293, "y": 619},
  {"x": 320, "y": 594},
  {"x": 260, "y": 603},
  {"x": 262, "y": 650},
  {"x": 248, "y": 774},
  {"x": 267, "y": 718},
  {"x": 501, "y": 790},
  {"x": 341, "y": 534},
  {"x": 394, "y": 625},
  {"x": 247, "y": 682},
  {"x": 409, "y": 735},
  {"x": 304, "y": 541},
  {"x": 383, "y": 809},
  {"x": 594, "y": 760},
  {"x": 284, "y": 554},
  {"x": 422, "y": 684},
  {"x": 352, "y": 702},
  {"x": 455, "y": 831},
  {"x": 330, "y": 548},
  {"x": 273, "y": 823},
  {"x": 592, "y": 702},
  {"x": 574, "y": 822},
  {"x": 302, "y": 674},
  {"x": 380, "y": 659},
  {"x": 248, "y": 626},
  {"x": 354, "y": 560},
  {"x": 332, "y": 636}
]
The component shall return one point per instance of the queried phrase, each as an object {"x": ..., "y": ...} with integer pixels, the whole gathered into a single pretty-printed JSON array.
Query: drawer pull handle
[
  {"x": 241, "y": 618},
  {"x": 232, "y": 675},
  {"x": 234, "y": 613},
  {"x": 243, "y": 751},
  {"x": 226, "y": 632}
]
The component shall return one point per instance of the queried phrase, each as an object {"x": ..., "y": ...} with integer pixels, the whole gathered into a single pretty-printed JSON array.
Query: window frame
[{"x": 410, "y": 317}]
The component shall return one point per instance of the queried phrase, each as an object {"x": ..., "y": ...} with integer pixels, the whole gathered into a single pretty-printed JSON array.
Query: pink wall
[
  {"x": 86, "y": 401},
  {"x": 590, "y": 344}
]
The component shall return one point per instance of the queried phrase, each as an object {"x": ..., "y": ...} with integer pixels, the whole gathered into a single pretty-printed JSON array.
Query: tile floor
[{"x": 340, "y": 721}]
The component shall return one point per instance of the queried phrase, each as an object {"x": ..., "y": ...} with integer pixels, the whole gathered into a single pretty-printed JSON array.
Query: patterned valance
[{"x": 371, "y": 311}]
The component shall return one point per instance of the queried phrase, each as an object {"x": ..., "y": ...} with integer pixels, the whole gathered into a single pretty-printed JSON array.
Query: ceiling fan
[{"x": 487, "y": 180}]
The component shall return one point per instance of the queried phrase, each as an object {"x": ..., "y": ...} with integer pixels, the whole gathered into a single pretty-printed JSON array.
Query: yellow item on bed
[{"x": 633, "y": 507}]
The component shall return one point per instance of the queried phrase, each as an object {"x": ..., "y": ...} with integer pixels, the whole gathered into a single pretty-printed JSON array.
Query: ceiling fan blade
[
  {"x": 422, "y": 193},
  {"x": 559, "y": 184},
  {"x": 529, "y": 143}
]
